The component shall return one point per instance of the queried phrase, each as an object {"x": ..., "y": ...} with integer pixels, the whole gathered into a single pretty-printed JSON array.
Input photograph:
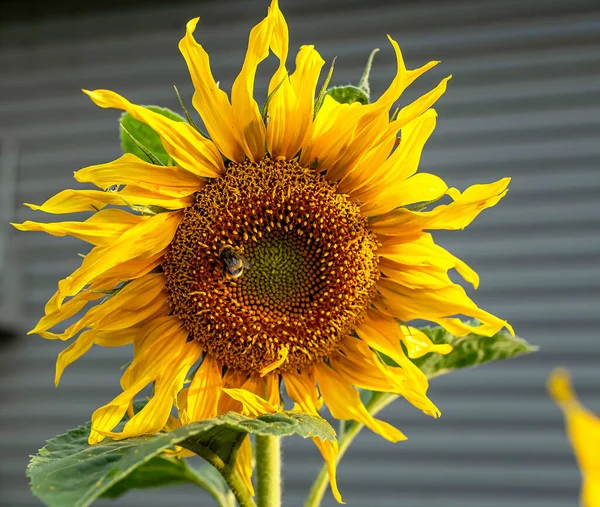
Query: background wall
[{"x": 524, "y": 102}]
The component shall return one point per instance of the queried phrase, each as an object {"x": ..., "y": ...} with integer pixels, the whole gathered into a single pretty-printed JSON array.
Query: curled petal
[
  {"x": 457, "y": 215},
  {"x": 193, "y": 152},
  {"x": 344, "y": 403},
  {"x": 209, "y": 100}
]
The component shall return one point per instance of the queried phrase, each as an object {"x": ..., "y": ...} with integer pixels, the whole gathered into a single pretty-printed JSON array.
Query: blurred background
[{"x": 524, "y": 102}]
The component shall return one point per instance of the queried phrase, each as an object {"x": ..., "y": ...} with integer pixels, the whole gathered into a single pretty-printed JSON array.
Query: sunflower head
[
  {"x": 301, "y": 261},
  {"x": 286, "y": 248}
]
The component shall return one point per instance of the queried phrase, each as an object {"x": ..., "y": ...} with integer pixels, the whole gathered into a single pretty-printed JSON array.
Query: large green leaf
[
  {"x": 144, "y": 135},
  {"x": 68, "y": 472},
  {"x": 164, "y": 470}
]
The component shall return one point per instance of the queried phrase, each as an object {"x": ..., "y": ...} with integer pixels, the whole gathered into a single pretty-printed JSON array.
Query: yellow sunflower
[{"x": 286, "y": 251}]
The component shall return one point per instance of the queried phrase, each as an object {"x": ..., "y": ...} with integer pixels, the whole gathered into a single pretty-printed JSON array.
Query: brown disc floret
[{"x": 270, "y": 256}]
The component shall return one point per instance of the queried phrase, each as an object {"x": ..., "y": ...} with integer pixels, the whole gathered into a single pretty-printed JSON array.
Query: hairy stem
[
  {"x": 227, "y": 470},
  {"x": 268, "y": 471}
]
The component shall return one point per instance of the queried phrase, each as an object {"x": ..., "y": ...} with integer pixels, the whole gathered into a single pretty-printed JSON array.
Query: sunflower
[
  {"x": 583, "y": 429},
  {"x": 287, "y": 246}
]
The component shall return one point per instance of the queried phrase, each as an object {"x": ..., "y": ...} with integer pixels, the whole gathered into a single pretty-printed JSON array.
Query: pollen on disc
[{"x": 310, "y": 266}]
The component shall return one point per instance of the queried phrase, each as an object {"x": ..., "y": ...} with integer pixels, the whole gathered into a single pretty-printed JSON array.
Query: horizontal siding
[{"x": 524, "y": 102}]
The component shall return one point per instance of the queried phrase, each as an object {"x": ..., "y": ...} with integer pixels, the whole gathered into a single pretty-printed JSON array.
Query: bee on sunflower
[{"x": 283, "y": 249}]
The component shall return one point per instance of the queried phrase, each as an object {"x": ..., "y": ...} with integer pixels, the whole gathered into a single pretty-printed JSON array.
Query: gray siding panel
[{"x": 524, "y": 102}]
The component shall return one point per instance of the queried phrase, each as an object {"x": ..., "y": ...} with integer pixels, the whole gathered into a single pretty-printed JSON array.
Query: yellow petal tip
[{"x": 560, "y": 388}]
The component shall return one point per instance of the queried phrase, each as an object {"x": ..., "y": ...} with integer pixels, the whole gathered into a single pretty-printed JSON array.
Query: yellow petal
[
  {"x": 583, "y": 429},
  {"x": 130, "y": 170},
  {"x": 248, "y": 119},
  {"x": 117, "y": 338},
  {"x": 419, "y": 258},
  {"x": 279, "y": 43},
  {"x": 105, "y": 418},
  {"x": 370, "y": 122},
  {"x": 70, "y": 308},
  {"x": 302, "y": 390},
  {"x": 235, "y": 379},
  {"x": 71, "y": 201},
  {"x": 147, "y": 366},
  {"x": 333, "y": 131},
  {"x": 134, "y": 303},
  {"x": 418, "y": 343},
  {"x": 153, "y": 417},
  {"x": 344, "y": 403},
  {"x": 384, "y": 334},
  {"x": 100, "y": 229},
  {"x": 457, "y": 215},
  {"x": 141, "y": 241},
  {"x": 252, "y": 404},
  {"x": 211, "y": 102},
  {"x": 291, "y": 106},
  {"x": 421, "y": 187},
  {"x": 204, "y": 391},
  {"x": 435, "y": 305},
  {"x": 133, "y": 268},
  {"x": 393, "y": 92},
  {"x": 419, "y": 106},
  {"x": 412, "y": 75},
  {"x": 329, "y": 450},
  {"x": 273, "y": 393},
  {"x": 163, "y": 339},
  {"x": 283, "y": 354},
  {"x": 193, "y": 152},
  {"x": 73, "y": 352},
  {"x": 244, "y": 465},
  {"x": 369, "y": 179},
  {"x": 360, "y": 367}
]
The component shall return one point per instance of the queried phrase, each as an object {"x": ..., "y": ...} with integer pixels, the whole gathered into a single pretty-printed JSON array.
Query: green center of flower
[{"x": 271, "y": 257}]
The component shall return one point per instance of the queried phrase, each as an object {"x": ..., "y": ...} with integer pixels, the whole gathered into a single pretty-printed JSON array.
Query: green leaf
[
  {"x": 68, "y": 472},
  {"x": 470, "y": 350},
  {"x": 144, "y": 135}
]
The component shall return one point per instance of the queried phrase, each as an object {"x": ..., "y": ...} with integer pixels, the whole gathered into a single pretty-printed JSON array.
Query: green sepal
[
  {"x": 323, "y": 92},
  {"x": 348, "y": 94},
  {"x": 149, "y": 140},
  {"x": 360, "y": 93},
  {"x": 68, "y": 472}
]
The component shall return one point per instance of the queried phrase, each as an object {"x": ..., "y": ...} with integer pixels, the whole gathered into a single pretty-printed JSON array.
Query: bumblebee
[{"x": 233, "y": 262}]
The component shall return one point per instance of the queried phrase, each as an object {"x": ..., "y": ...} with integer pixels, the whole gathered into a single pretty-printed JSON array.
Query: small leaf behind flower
[
  {"x": 470, "y": 350},
  {"x": 68, "y": 472},
  {"x": 467, "y": 351},
  {"x": 144, "y": 135}
]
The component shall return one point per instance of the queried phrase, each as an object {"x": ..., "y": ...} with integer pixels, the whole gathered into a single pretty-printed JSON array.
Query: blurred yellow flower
[
  {"x": 284, "y": 247},
  {"x": 583, "y": 429}
]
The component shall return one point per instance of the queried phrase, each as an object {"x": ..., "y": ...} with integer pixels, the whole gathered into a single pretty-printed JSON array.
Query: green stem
[
  {"x": 268, "y": 471},
  {"x": 227, "y": 470},
  {"x": 317, "y": 491}
]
